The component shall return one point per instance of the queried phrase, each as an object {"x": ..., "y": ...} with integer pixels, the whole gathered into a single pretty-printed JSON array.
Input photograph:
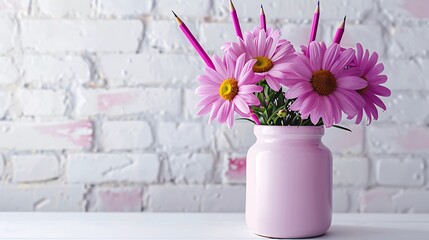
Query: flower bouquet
[{"x": 290, "y": 96}]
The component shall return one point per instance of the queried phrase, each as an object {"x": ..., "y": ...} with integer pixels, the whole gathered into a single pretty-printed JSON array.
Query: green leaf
[
  {"x": 261, "y": 99},
  {"x": 274, "y": 114},
  {"x": 341, "y": 127},
  {"x": 266, "y": 92},
  {"x": 307, "y": 122},
  {"x": 250, "y": 120},
  {"x": 277, "y": 94},
  {"x": 296, "y": 119},
  {"x": 257, "y": 109}
]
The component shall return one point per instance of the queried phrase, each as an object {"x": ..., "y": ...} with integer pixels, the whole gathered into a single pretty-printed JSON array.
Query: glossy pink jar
[{"x": 289, "y": 182}]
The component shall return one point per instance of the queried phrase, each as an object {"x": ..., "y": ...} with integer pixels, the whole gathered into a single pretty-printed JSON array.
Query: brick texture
[{"x": 97, "y": 105}]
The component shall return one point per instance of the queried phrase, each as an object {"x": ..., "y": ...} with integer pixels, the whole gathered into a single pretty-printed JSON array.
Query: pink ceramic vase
[{"x": 289, "y": 182}]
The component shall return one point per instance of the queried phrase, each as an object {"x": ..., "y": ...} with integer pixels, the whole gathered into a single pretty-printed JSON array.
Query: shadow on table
[{"x": 368, "y": 232}]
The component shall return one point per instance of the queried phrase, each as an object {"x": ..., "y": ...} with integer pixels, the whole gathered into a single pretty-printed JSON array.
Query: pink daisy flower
[
  {"x": 323, "y": 86},
  {"x": 227, "y": 89},
  {"x": 304, "y": 51},
  {"x": 370, "y": 71},
  {"x": 271, "y": 32},
  {"x": 271, "y": 53}
]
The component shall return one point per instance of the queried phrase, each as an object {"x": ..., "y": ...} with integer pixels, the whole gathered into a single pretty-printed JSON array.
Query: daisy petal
[
  {"x": 239, "y": 65},
  {"x": 250, "y": 99},
  {"x": 250, "y": 89},
  {"x": 206, "y": 90},
  {"x": 230, "y": 119},
  {"x": 223, "y": 112},
  {"x": 241, "y": 105},
  {"x": 315, "y": 56},
  {"x": 219, "y": 66},
  {"x": 215, "y": 109},
  {"x": 352, "y": 83},
  {"x": 344, "y": 59},
  {"x": 298, "y": 90},
  {"x": 273, "y": 82},
  {"x": 331, "y": 55}
]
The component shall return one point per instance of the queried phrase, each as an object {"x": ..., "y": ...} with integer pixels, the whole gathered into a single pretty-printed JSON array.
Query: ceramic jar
[{"x": 289, "y": 182}]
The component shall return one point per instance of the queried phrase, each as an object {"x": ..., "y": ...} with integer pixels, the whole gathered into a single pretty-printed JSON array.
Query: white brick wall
[
  {"x": 150, "y": 69},
  {"x": 42, "y": 35},
  {"x": 42, "y": 70},
  {"x": 113, "y": 8},
  {"x": 34, "y": 102},
  {"x": 33, "y": 168},
  {"x": 184, "y": 136},
  {"x": 125, "y": 135},
  {"x": 125, "y": 101},
  {"x": 191, "y": 168},
  {"x": 8, "y": 72},
  {"x": 42, "y": 198},
  {"x": 97, "y": 106},
  {"x": 19, "y": 135},
  {"x": 209, "y": 198},
  {"x": 102, "y": 167},
  {"x": 116, "y": 199},
  {"x": 400, "y": 172},
  {"x": 64, "y": 8}
]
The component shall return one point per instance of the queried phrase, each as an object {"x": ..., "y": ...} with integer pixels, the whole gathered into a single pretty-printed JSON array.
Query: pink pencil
[
  {"x": 235, "y": 20},
  {"x": 315, "y": 23},
  {"x": 194, "y": 42},
  {"x": 340, "y": 31},
  {"x": 262, "y": 19}
]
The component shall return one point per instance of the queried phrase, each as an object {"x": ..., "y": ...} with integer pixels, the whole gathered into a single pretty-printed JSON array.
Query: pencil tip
[
  {"x": 179, "y": 21},
  {"x": 231, "y": 5},
  {"x": 262, "y": 9},
  {"x": 318, "y": 7},
  {"x": 343, "y": 23}
]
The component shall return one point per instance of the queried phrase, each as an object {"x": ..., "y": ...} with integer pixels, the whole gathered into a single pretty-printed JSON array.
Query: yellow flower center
[
  {"x": 363, "y": 90},
  {"x": 323, "y": 82},
  {"x": 228, "y": 89},
  {"x": 263, "y": 64}
]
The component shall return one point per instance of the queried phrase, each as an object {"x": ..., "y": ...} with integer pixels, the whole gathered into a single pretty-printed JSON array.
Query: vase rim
[{"x": 290, "y": 130}]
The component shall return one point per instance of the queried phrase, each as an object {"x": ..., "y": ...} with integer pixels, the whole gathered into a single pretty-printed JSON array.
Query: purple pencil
[
  {"x": 340, "y": 31},
  {"x": 235, "y": 20},
  {"x": 194, "y": 42},
  {"x": 315, "y": 23},
  {"x": 262, "y": 19}
]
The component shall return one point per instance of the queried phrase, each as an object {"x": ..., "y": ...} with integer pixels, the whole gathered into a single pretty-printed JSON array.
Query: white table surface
[{"x": 194, "y": 226}]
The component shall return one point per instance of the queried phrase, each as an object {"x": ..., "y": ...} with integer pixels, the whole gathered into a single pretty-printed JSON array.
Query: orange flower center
[
  {"x": 323, "y": 82},
  {"x": 228, "y": 89},
  {"x": 363, "y": 90},
  {"x": 263, "y": 64}
]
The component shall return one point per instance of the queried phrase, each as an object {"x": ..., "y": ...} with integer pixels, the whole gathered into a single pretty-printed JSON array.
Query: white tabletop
[{"x": 194, "y": 226}]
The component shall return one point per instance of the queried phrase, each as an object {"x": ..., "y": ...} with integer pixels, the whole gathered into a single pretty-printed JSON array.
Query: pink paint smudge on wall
[
  {"x": 107, "y": 101},
  {"x": 119, "y": 200},
  {"x": 414, "y": 140},
  {"x": 79, "y": 133},
  {"x": 236, "y": 170},
  {"x": 418, "y": 8}
]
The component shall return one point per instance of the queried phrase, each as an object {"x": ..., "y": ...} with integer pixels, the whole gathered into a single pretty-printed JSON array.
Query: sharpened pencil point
[
  {"x": 262, "y": 10},
  {"x": 231, "y": 6},
  {"x": 343, "y": 23},
  {"x": 179, "y": 21},
  {"x": 318, "y": 7}
]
